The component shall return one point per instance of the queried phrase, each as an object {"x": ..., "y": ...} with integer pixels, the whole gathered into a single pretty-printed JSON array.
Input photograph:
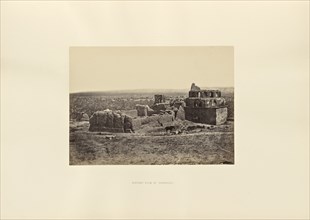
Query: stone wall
[
  {"x": 205, "y": 102},
  {"x": 204, "y": 94},
  {"x": 131, "y": 124},
  {"x": 193, "y": 93},
  {"x": 160, "y": 107},
  {"x": 177, "y": 104},
  {"x": 180, "y": 114},
  {"x": 221, "y": 115},
  {"x": 113, "y": 121},
  {"x": 107, "y": 120},
  {"x": 144, "y": 110},
  {"x": 213, "y": 116}
]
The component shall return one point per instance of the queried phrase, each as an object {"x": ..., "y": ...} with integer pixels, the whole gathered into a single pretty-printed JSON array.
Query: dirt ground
[{"x": 152, "y": 146}]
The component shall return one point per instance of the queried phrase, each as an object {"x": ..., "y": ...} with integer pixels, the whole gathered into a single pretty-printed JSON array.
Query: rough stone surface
[
  {"x": 221, "y": 115},
  {"x": 177, "y": 104},
  {"x": 118, "y": 121},
  {"x": 144, "y": 110},
  {"x": 159, "y": 98},
  {"x": 193, "y": 93},
  {"x": 79, "y": 116},
  {"x": 197, "y": 93},
  {"x": 160, "y": 107},
  {"x": 113, "y": 121},
  {"x": 180, "y": 115},
  {"x": 205, "y": 102},
  {"x": 109, "y": 119},
  {"x": 150, "y": 112},
  {"x": 213, "y": 116},
  {"x": 210, "y": 93},
  {"x": 131, "y": 123},
  {"x": 194, "y": 87},
  {"x": 83, "y": 117},
  {"x": 160, "y": 118},
  {"x": 132, "y": 113}
]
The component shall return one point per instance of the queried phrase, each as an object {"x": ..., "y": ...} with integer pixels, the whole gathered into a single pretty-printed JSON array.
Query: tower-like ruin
[
  {"x": 159, "y": 99},
  {"x": 205, "y": 106}
]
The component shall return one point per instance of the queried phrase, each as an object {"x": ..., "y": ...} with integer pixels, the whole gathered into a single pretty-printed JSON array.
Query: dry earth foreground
[{"x": 200, "y": 144}]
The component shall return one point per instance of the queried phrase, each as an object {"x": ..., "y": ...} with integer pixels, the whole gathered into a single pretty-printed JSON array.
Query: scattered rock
[{"x": 160, "y": 107}]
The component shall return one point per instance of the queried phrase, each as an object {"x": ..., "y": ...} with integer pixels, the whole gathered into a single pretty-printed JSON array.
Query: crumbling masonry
[{"x": 205, "y": 106}]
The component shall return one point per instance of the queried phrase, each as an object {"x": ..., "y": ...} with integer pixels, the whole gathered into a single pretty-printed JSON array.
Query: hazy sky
[{"x": 118, "y": 68}]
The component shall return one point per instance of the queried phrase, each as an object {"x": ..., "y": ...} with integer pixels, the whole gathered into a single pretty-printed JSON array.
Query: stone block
[
  {"x": 180, "y": 115},
  {"x": 142, "y": 110}
]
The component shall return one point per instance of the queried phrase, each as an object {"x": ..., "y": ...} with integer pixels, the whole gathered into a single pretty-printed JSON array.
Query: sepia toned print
[{"x": 152, "y": 126}]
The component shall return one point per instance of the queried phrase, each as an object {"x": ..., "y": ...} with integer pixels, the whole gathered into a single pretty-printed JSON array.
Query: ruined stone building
[
  {"x": 144, "y": 110},
  {"x": 112, "y": 121},
  {"x": 159, "y": 99},
  {"x": 205, "y": 106},
  {"x": 202, "y": 106},
  {"x": 162, "y": 106},
  {"x": 118, "y": 122}
]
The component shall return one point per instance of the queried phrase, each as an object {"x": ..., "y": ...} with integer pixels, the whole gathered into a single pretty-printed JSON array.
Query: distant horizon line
[{"x": 150, "y": 90}]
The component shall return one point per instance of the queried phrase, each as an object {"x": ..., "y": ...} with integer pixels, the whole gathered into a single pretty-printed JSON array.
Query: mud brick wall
[{"x": 213, "y": 116}]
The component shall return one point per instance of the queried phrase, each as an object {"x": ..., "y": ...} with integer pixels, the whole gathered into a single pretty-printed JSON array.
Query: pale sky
[{"x": 120, "y": 68}]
